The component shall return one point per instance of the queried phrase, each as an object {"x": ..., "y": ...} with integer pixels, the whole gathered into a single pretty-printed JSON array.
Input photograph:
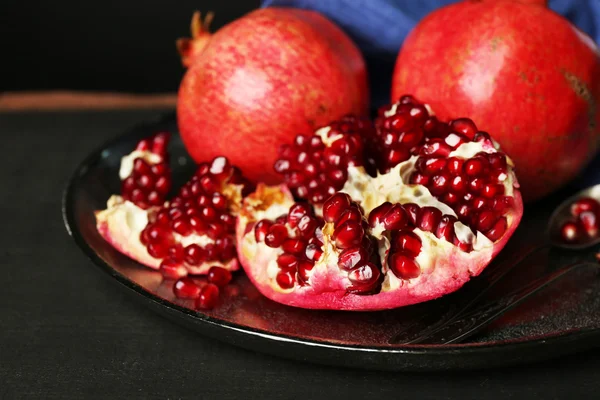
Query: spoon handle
[{"x": 472, "y": 319}]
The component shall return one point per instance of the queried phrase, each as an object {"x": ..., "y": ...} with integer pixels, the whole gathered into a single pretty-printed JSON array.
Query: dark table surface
[{"x": 68, "y": 332}]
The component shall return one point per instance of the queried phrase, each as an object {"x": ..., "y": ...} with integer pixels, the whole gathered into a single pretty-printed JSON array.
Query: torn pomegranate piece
[
  {"x": 444, "y": 203},
  {"x": 187, "y": 235}
]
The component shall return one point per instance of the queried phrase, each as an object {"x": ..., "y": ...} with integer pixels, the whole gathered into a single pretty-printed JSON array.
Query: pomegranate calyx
[{"x": 190, "y": 48}]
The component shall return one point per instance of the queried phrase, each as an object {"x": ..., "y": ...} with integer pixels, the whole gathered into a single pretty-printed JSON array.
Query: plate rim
[{"x": 513, "y": 346}]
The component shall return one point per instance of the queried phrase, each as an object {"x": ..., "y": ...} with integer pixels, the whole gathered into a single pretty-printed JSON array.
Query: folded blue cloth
[{"x": 380, "y": 26}]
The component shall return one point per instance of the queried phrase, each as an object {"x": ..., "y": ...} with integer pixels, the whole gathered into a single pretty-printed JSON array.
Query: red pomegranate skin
[
  {"x": 261, "y": 80},
  {"x": 523, "y": 72}
]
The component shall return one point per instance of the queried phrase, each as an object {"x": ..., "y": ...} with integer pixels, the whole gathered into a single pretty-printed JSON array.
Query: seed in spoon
[{"x": 571, "y": 232}]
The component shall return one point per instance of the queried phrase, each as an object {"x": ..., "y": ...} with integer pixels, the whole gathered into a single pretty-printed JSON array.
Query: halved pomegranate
[
  {"x": 190, "y": 233},
  {"x": 444, "y": 203}
]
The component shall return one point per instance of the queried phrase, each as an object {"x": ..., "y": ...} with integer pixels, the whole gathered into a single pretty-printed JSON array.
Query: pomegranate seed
[
  {"x": 435, "y": 147},
  {"x": 287, "y": 261},
  {"x": 410, "y": 139},
  {"x": 429, "y": 218},
  {"x": 197, "y": 224},
  {"x": 141, "y": 167},
  {"x": 177, "y": 252},
  {"x": 294, "y": 246},
  {"x": 376, "y": 215},
  {"x": 407, "y": 241},
  {"x": 216, "y": 230},
  {"x": 476, "y": 185},
  {"x": 186, "y": 288},
  {"x": 498, "y": 176},
  {"x": 446, "y": 228},
  {"x": 307, "y": 226},
  {"x": 479, "y": 203},
  {"x": 194, "y": 254},
  {"x": 419, "y": 179},
  {"x": 466, "y": 247},
  {"x": 208, "y": 297},
  {"x": 181, "y": 226},
  {"x": 589, "y": 221},
  {"x": 465, "y": 127},
  {"x": 497, "y": 230},
  {"x": 474, "y": 167},
  {"x": 486, "y": 220},
  {"x": 158, "y": 250},
  {"x": 335, "y": 205},
  {"x": 351, "y": 258},
  {"x": 491, "y": 190},
  {"x": 304, "y": 267},
  {"x": 219, "y": 276},
  {"x": 395, "y": 156},
  {"x": 348, "y": 234},
  {"x": 585, "y": 204},
  {"x": 571, "y": 232},
  {"x": 350, "y": 214},
  {"x": 458, "y": 184},
  {"x": 439, "y": 184},
  {"x": 143, "y": 145},
  {"x": 285, "y": 279},
  {"x": 412, "y": 210},
  {"x": 455, "y": 166},
  {"x": 404, "y": 266},
  {"x": 497, "y": 161},
  {"x": 172, "y": 268},
  {"x": 463, "y": 211},
  {"x": 501, "y": 204},
  {"x": 450, "y": 199},
  {"x": 396, "y": 218},
  {"x": 313, "y": 252},
  {"x": 220, "y": 167},
  {"x": 297, "y": 211},
  {"x": 365, "y": 278}
]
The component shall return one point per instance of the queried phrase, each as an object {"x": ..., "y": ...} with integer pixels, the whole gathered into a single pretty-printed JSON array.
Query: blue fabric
[{"x": 380, "y": 26}]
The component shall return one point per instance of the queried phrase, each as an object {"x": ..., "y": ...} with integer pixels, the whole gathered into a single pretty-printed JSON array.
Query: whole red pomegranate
[
  {"x": 262, "y": 79},
  {"x": 521, "y": 71}
]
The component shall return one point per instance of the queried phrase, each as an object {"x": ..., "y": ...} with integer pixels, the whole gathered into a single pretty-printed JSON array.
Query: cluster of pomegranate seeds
[
  {"x": 357, "y": 249},
  {"x": 148, "y": 184},
  {"x": 585, "y": 223},
  {"x": 207, "y": 294},
  {"x": 314, "y": 171},
  {"x": 299, "y": 235},
  {"x": 474, "y": 188},
  {"x": 201, "y": 208}
]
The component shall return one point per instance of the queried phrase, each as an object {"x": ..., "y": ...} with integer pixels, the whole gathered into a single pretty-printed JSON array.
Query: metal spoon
[{"x": 460, "y": 315}]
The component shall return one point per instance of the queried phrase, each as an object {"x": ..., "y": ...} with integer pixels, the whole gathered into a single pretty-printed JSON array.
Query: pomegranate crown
[{"x": 190, "y": 48}]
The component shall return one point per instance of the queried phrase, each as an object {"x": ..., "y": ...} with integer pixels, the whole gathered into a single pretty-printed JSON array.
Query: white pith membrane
[
  {"x": 122, "y": 222},
  {"x": 369, "y": 192}
]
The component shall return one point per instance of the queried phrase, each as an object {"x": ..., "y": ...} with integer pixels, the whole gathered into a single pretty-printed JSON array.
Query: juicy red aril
[
  {"x": 407, "y": 241},
  {"x": 491, "y": 190},
  {"x": 571, "y": 232},
  {"x": 313, "y": 252},
  {"x": 307, "y": 226},
  {"x": 181, "y": 226},
  {"x": 377, "y": 214},
  {"x": 262, "y": 229},
  {"x": 303, "y": 268},
  {"x": 455, "y": 165},
  {"x": 589, "y": 221},
  {"x": 436, "y": 147},
  {"x": 412, "y": 210},
  {"x": 334, "y": 206},
  {"x": 219, "y": 276},
  {"x": 147, "y": 185},
  {"x": 474, "y": 166},
  {"x": 445, "y": 228},
  {"x": 208, "y": 297},
  {"x": 158, "y": 250},
  {"x": 277, "y": 234},
  {"x": 351, "y": 258},
  {"x": 186, "y": 288},
  {"x": 172, "y": 268},
  {"x": 429, "y": 218},
  {"x": 458, "y": 184},
  {"x": 585, "y": 204},
  {"x": 348, "y": 234},
  {"x": 287, "y": 261},
  {"x": 364, "y": 279},
  {"x": 395, "y": 218},
  {"x": 479, "y": 203},
  {"x": 439, "y": 184},
  {"x": 497, "y": 230},
  {"x": 297, "y": 211},
  {"x": 497, "y": 161},
  {"x": 465, "y": 127},
  {"x": 404, "y": 266},
  {"x": 286, "y": 279},
  {"x": 486, "y": 220},
  {"x": 194, "y": 254},
  {"x": 419, "y": 179},
  {"x": 294, "y": 246},
  {"x": 350, "y": 214}
]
